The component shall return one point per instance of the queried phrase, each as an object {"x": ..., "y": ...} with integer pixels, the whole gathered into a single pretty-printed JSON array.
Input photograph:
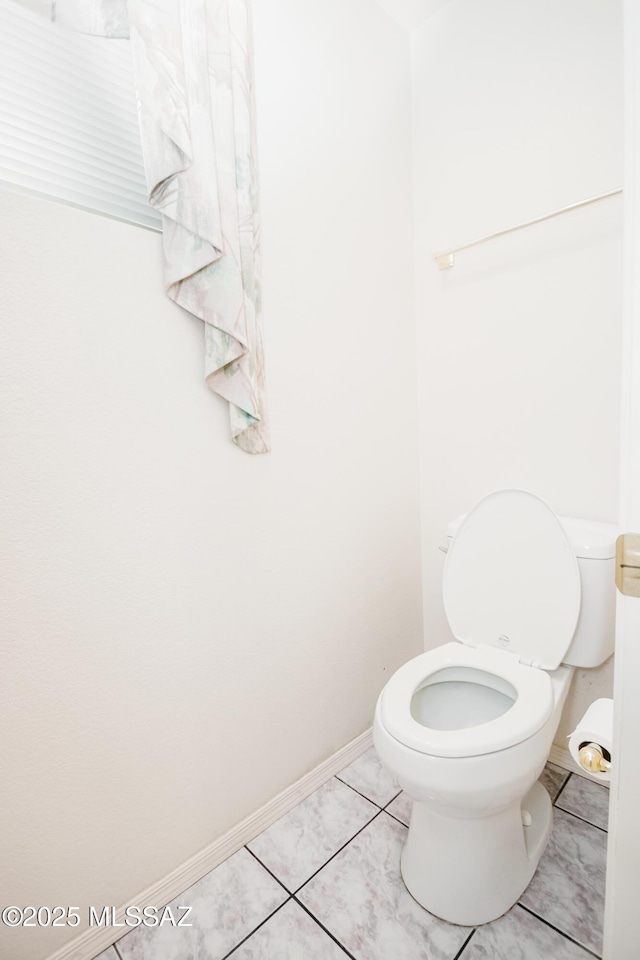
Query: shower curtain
[{"x": 194, "y": 79}]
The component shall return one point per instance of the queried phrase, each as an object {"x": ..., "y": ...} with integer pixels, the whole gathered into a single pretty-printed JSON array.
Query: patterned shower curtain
[{"x": 194, "y": 79}]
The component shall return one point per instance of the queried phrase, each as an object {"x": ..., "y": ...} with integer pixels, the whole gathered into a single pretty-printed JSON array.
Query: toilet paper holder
[
  {"x": 591, "y": 742},
  {"x": 592, "y": 758}
]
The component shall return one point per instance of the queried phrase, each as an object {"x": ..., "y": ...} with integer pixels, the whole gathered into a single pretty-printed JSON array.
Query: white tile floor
[{"x": 323, "y": 883}]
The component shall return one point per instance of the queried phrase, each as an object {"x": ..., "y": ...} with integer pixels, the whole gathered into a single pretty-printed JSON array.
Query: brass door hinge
[{"x": 628, "y": 564}]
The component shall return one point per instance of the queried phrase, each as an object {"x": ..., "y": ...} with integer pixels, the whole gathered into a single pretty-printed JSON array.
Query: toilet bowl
[{"x": 466, "y": 727}]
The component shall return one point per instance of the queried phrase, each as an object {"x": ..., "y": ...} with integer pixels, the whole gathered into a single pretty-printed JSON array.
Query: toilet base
[{"x": 471, "y": 871}]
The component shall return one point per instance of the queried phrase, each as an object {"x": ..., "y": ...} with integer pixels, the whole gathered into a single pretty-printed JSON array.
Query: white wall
[
  {"x": 517, "y": 112},
  {"x": 189, "y": 629}
]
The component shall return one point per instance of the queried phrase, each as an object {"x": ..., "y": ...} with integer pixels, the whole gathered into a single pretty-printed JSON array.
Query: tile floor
[{"x": 323, "y": 883}]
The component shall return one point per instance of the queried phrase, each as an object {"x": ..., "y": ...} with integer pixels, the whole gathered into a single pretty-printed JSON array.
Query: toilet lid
[{"x": 511, "y": 579}]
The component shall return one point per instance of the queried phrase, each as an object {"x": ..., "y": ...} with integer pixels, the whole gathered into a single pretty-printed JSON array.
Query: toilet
[{"x": 466, "y": 727}]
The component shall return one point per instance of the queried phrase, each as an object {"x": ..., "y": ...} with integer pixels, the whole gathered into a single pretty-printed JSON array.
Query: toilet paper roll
[{"x": 595, "y": 727}]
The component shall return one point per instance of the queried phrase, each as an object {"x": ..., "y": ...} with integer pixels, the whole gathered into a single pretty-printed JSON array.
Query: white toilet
[{"x": 466, "y": 728}]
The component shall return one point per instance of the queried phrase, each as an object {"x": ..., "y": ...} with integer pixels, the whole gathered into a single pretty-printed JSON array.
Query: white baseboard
[
  {"x": 94, "y": 940},
  {"x": 562, "y": 758}
]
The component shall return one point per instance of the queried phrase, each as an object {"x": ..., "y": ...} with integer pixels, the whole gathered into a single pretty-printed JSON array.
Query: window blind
[{"x": 68, "y": 118}]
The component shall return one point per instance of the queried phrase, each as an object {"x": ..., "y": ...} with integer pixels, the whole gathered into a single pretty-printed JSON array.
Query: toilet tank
[{"x": 595, "y": 546}]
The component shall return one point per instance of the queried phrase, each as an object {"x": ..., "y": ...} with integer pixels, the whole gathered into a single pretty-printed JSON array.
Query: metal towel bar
[{"x": 445, "y": 259}]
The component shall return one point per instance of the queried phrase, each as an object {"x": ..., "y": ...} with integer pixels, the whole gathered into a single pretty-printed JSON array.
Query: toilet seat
[
  {"x": 512, "y": 596},
  {"x": 531, "y": 708}
]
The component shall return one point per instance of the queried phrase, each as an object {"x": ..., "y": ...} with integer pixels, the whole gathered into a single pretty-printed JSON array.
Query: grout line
[
  {"x": 115, "y": 947},
  {"x": 559, "y": 793},
  {"x": 322, "y": 927},
  {"x": 397, "y": 819},
  {"x": 339, "y": 850},
  {"x": 464, "y": 945},
  {"x": 270, "y": 872},
  {"x": 392, "y": 799},
  {"x": 244, "y": 939},
  {"x": 561, "y": 932},
  {"x": 577, "y": 817},
  {"x": 364, "y": 796}
]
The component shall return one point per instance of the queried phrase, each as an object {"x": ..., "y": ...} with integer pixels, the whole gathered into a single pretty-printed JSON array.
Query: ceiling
[{"x": 411, "y": 13}]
